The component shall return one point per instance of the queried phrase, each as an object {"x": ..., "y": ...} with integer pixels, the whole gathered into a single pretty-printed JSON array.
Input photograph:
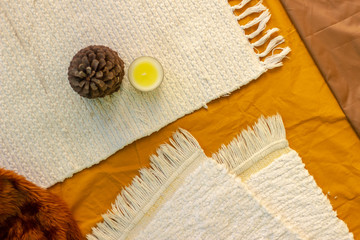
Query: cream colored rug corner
[
  {"x": 186, "y": 195},
  {"x": 254, "y": 188},
  {"x": 48, "y": 132}
]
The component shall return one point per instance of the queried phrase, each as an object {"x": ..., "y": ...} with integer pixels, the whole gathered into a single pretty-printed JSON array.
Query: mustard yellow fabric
[{"x": 316, "y": 128}]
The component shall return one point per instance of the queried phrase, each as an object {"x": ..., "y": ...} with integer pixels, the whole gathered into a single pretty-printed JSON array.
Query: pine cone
[{"x": 96, "y": 71}]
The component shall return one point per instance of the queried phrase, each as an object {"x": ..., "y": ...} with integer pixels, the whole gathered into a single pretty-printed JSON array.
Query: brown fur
[{"x": 28, "y": 212}]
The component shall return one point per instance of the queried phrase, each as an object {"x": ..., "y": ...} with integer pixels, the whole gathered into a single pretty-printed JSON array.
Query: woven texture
[
  {"x": 211, "y": 204},
  {"x": 196, "y": 199},
  {"x": 185, "y": 195},
  {"x": 287, "y": 190},
  {"x": 278, "y": 178},
  {"x": 49, "y": 132}
]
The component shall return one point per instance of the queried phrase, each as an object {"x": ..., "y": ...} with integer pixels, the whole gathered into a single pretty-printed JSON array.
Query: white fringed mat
[
  {"x": 277, "y": 177},
  {"x": 185, "y": 195},
  {"x": 48, "y": 132}
]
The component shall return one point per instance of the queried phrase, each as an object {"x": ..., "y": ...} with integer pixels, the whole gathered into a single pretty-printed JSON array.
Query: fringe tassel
[
  {"x": 274, "y": 61},
  {"x": 272, "y": 44},
  {"x": 267, "y": 136},
  {"x": 265, "y": 17},
  {"x": 254, "y": 9},
  {"x": 267, "y": 35},
  {"x": 271, "y": 61},
  {"x": 240, "y": 5},
  {"x": 135, "y": 200},
  {"x": 260, "y": 18}
]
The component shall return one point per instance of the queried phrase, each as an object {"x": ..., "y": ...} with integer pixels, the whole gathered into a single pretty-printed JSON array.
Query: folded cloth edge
[{"x": 265, "y": 138}]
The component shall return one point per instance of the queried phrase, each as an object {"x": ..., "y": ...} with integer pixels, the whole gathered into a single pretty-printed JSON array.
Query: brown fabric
[
  {"x": 30, "y": 212},
  {"x": 331, "y": 32}
]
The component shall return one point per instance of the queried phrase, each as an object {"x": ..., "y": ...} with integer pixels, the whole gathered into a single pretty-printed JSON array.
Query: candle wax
[{"x": 145, "y": 74}]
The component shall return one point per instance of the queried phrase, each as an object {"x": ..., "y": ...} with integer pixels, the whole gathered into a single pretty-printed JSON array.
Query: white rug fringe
[
  {"x": 254, "y": 9},
  {"x": 240, "y": 5},
  {"x": 274, "y": 60},
  {"x": 267, "y": 35},
  {"x": 135, "y": 200},
  {"x": 266, "y": 136},
  {"x": 272, "y": 44},
  {"x": 257, "y": 20}
]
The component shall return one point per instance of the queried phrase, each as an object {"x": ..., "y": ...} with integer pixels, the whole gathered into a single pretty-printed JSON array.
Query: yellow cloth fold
[{"x": 315, "y": 125}]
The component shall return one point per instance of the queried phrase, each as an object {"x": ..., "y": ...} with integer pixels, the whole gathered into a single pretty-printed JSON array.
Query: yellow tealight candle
[{"x": 145, "y": 73}]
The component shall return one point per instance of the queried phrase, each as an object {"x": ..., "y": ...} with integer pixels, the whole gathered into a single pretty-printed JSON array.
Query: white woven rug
[
  {"x": 275, "y": 174},
  {"x": 194, "y": 198},
  {"x": 185, "y": 195},
  {"x": 48, "y": 132}
]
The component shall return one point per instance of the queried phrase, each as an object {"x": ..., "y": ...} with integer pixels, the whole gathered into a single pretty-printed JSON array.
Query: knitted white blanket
[
  {"x": 186, "y": 195},
  {"x": 48, "y": 132}
]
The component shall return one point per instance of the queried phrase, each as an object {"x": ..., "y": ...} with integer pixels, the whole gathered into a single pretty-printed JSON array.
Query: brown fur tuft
[{"x": 32, "y": 213}]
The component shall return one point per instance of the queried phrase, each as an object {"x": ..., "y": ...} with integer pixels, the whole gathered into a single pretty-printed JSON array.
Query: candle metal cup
[{"x": 145, "y": 73}]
